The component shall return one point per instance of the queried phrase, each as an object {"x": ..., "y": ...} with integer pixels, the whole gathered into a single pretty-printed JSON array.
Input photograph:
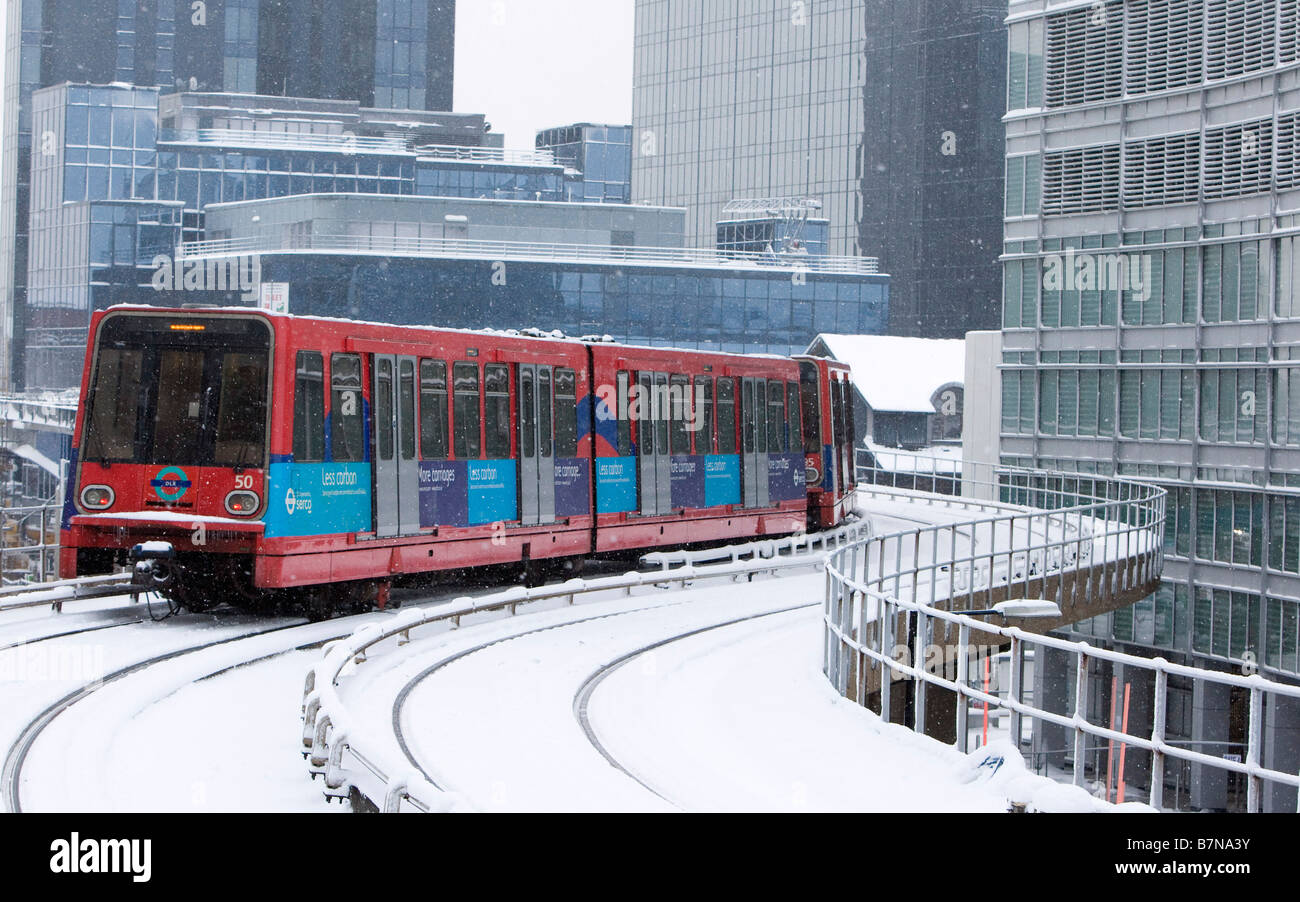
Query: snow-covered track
[
  {"x": 16, "y": 757},
  {"x": 355, "y": 764},
  {"x": 582, "y": 698}
]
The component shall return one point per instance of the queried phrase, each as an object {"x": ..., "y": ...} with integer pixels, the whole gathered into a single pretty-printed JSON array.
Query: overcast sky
[{"x": 532, "y": 64}]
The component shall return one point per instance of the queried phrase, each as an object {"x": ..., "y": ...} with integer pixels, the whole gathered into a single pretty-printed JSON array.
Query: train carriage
[
  {"x": 829, "y": 431},
  {"x": 252, "y": 456}
]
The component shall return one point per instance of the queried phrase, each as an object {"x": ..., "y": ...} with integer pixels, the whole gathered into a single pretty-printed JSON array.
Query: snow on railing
[
  {"x": 802, "y": 543},
  {"x": 349, "y": 761},
  {"x": 887, "y": 594}
]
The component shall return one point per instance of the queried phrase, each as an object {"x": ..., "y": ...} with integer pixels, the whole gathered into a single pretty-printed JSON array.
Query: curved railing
[
  {"x": 898, "y": 607},
  {"x": 354, "y": 763}
]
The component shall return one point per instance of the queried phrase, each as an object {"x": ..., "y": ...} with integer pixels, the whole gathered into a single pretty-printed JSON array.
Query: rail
[
  {"x": 524, "y": 250},
  {"x": 350, "y": 762},
  {"x": 29, "y": 543},
  {"x": 1083, "y": 540},
  {"x": 805, "y": 543}
]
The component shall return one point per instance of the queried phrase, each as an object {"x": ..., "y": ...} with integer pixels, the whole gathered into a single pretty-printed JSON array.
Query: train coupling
[{"x": 154, "y": 566}]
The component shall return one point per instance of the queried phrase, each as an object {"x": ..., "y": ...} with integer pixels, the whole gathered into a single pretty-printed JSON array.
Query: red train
[{"x": 248, "y": 457}]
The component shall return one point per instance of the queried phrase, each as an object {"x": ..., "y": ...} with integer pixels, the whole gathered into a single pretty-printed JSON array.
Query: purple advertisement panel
[
  {"x": 572, "y": 488},
  {"x": 444, "y": 494},
  {"x": 785, "y": 477},
  {"x": 688, "y": 481}
]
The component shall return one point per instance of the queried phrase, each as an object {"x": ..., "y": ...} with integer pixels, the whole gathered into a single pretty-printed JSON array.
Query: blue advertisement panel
[
  {"x": 786, "y": 480},
  {"x": 721, "y": 480},
  {"x": 317, "y": 499},
  {"x": 493, "y": 491},
  {"x": 688, "y": 481},
  {"x": 615, "y": 484},
  {"x": 572, "y": 488},
  {"x": 444, "y": 494}
]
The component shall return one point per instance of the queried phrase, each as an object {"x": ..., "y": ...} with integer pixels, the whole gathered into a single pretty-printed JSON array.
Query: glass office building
[
  {"x": 1151, "y": 326},
  {"x": 399, "y": 55},
  {"x": 404, "y": 225},
  {"x": 602, "y": 153},
  {"x": 886, "y": 112}
]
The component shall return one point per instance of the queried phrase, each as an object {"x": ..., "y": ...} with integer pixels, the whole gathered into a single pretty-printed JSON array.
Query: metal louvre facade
[{"x": 1167, "y": 133}]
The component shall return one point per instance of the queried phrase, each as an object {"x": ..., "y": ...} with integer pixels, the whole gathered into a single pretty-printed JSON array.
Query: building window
[
  {"x": 1157, "y": 404},
  {"x": 1234, "y": 406},
  {"x": 1230, "y": 527}
]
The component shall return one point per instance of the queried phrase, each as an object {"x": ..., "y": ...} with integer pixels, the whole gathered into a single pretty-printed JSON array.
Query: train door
[
  {"x": 536, "y": 445},
  {"x": 654, "y": 464},
  {"x": 753, "y": 466},
  {"x": 397, "y": 467},
  {"x": 841, "y": 445}
]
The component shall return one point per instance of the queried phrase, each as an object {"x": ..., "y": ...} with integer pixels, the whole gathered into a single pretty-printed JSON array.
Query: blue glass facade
[
  {"x": 750, "y": 311},
  {"x": 602, "y": 153},
  {"x": 392, "y": 53}
]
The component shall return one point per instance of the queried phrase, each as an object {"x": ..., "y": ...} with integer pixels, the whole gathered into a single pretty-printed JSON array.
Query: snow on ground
[{"x": 169, "y": 739}]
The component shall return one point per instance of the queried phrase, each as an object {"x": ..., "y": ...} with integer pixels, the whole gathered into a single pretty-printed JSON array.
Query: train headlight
[
  {"x": 97, "y": 497},
  {"x": 812, "y": 475},
  {"x": 243, "y": 504}
]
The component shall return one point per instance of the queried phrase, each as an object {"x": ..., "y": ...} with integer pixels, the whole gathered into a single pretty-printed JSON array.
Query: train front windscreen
[{"x": 181, "y": 391}]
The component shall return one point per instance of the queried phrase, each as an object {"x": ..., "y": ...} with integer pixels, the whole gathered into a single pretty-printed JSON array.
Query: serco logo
[
  {"x": 290, "y": 502},
  {"x": 171, "y": 484}
]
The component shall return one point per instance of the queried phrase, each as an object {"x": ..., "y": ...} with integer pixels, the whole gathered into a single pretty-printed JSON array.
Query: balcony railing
[{"x": 524, "y": 250}]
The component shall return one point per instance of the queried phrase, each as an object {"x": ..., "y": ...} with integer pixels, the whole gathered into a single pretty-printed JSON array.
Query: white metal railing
[
  {"x": 886, "y": 595},
  {"x": 348, "y": 143},
  {"x": 764, "y": 549},
  {"x": 524, "y": 250},
  {"x": 29, "y": 543},
  {"x": 347, "y": 759}
]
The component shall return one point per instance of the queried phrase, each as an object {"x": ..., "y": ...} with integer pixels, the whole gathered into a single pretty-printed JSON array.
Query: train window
[
  {"x": 810, "y": 405},
  {"x": 794, "y": 431},
  {"x": 466, "y": 411},
  {"x": 241, "y": 412},
  {"x": 347, "y": 428},
  {"x": 645, "y": 414},
  {"x": 433, "y": 410},
  {"x": 384, "y": 409},
  {"x": 544, "y": 414},
  {"x": 776, "y": 418},
  {"x": 661, "y": 413},
  {"x": 679, "y": 437},
  {"x": 527, "y": 416},
  {"x": 760, "y": 416},
  {"x": 566, "y": 414},
  {"x": 406, "y": 398},
  {"x": 850, "y": 426},
  {"x": 624, "y": 421},
  {"x": 747, "y": 415},
  {"x": 115, "y": 405},
  {"x": 726, "y": 416},
  {"x": 837, "y": 402},
  {"x": 178, "y": 419},
  {"x": 309, "y": 408},
  {"x": 496, "y": 388},
  {"x": 704, "y": 417}
]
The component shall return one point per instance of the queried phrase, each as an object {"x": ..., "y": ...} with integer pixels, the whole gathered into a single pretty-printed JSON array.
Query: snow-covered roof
[{"x": 898, "y": 374}]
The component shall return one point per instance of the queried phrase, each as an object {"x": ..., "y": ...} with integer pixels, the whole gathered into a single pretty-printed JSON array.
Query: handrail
[
  {"x": 524, "y": 250},
  {"x": 347, "y": 759},
  {"x": 1083, "y": 538}
]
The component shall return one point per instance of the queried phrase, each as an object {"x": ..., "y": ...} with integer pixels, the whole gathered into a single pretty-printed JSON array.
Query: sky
[{"x": 533, "y": 64}]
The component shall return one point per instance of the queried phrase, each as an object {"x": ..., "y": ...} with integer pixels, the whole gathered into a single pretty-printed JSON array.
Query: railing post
[
  {"x": 1158, "y": 736},
  {"x": 963, "y": 677},
  {"x": 1016, "y": 689},
  {"x": 918, "y": 662},
  {"x": 1255, "y": 783},
  {"x": 1080, "y": 713},
  {"x": 887, "y": 625}
]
